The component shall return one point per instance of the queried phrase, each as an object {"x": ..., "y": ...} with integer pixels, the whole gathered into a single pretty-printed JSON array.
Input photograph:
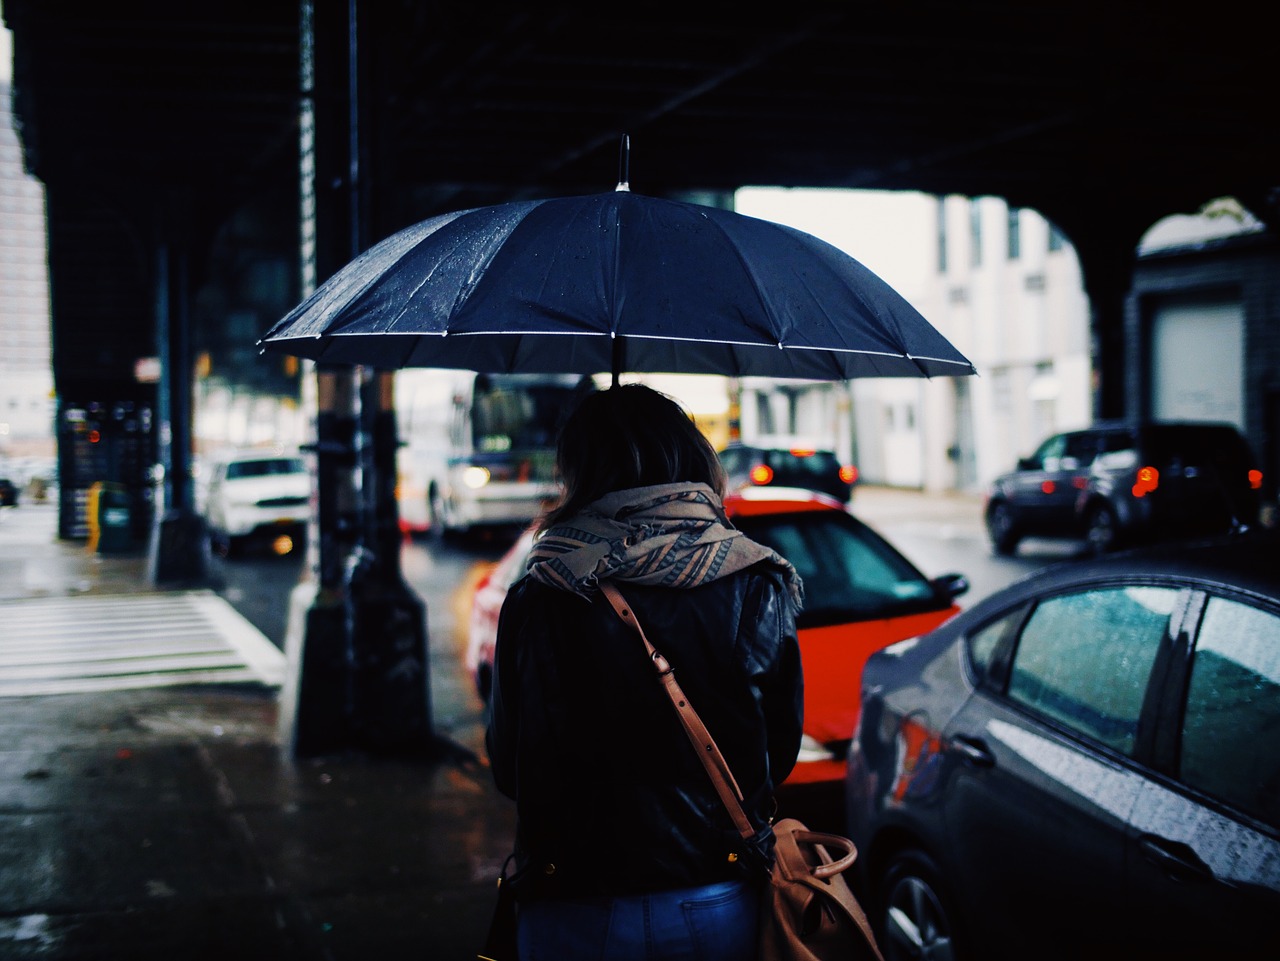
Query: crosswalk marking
[{"x": 84, "y": 643}]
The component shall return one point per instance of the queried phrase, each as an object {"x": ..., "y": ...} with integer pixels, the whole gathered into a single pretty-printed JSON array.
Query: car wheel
[
  {"x": 1101, "y": 530},
  {"x": 1002, "y": 529},
  {"x": 916, "y": 920}
]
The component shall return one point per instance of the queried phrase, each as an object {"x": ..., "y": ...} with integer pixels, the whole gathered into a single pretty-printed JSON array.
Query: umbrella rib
[
  {"x": 478, "y": 333},
  {"x": 524, "y": 333},
  {"x": 881, "y": 353},
  {"x": 822, "y": 350},
  {"x": 701, "y": 340},
  {"x": 944, "y": 360}
]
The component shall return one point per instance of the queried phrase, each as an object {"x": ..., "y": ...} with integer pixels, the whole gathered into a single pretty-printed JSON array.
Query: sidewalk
[{"x": 166, "y": 822}]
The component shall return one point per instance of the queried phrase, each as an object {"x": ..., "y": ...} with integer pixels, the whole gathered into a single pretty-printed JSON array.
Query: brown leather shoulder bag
[{"x": 808, "y": 911}]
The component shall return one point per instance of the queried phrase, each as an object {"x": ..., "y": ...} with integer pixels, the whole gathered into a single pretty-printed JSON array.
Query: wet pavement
[
  {"x": 166, "y": 821},
  {"x": 159, "y": 817}
]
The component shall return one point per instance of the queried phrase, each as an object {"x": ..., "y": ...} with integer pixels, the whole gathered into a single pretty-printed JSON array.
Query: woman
[{"x": 623, "y": 849}]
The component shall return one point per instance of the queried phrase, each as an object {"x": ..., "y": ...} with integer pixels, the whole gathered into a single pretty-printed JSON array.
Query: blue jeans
[{"x": 714, "y": 922}]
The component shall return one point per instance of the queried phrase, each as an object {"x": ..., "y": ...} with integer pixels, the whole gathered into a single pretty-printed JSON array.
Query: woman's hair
[{"x": 624, "y": 437}]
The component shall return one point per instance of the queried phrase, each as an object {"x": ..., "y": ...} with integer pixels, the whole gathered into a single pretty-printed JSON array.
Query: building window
[
  {"x": 942, "y": 235},
  {"x": 1015, "y": 233},
  {"x": 1001, "y": 390},
  {"x": 1057, "y": 241},
  {"x": 975, "y": 233},
  {"x": 764, "y": 414}
]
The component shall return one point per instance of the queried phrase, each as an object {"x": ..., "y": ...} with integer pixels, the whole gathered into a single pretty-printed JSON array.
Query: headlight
[{"x": 475, "y": 477}]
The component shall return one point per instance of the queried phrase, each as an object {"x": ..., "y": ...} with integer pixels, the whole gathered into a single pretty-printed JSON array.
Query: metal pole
[
  {"x": 317, "y": 704},
  {"x": 356, "y": 643},
  {"x": 179, "y": 549}
]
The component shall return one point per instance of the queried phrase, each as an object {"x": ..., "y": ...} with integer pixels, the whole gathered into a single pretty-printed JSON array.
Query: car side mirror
[{"x": 952, "y": 585}]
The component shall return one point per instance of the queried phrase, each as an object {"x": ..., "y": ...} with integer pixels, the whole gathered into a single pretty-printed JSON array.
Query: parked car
[
  {"x": 8, "y": 493},
  {"x": 788, "y": 462},
  {"x": 861, "y": 594},
  {"x": 486, "y": 605},
  {"x": 1085, "y": 764},
  {"x": 256, "y": 492},
  {"x": 1117, "y": 484}
]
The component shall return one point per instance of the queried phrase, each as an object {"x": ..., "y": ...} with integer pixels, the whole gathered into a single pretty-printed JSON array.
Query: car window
[
  {"x": 818, "y": 464},
  {"x": 732, "y": 459},
  {"x": 265, "y": 468},
  {"x": 1079, "y": 451},
  {"x": 1118, "y": 451},
  {"x": 983, "y": 642},
  {"x": 1049, "y": 453},
  {"x": 1116, "y": 440},
  {"x": 1084, "y": 659},
  {"x": 1202, "y": 446},
  {"x": 1232, "y": 721},
  {"x": 849, "y": 571}
]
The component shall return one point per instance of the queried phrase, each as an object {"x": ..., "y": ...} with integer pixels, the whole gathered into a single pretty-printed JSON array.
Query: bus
[{"x": 478, "y": 450}]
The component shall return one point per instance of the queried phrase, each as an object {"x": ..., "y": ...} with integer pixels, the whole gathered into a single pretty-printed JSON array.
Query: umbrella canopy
[{"x": 614, "y": 282}]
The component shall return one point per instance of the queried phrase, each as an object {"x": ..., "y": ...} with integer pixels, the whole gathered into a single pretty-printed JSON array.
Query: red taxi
[{"x": 861, "y": 594}]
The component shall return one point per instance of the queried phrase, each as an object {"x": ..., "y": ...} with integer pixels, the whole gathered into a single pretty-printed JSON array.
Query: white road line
[{"x": 51, "y": 645}]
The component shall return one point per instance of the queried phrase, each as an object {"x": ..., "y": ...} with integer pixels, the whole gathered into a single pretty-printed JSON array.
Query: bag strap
[
  {"x": 727, "y": 787},
  {"x": 703, "y": 744}
]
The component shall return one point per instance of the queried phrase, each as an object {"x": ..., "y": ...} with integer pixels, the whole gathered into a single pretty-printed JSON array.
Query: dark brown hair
[{"x": 629, "y": 436}]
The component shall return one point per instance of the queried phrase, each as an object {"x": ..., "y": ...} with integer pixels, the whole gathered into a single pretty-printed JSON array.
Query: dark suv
[
  {"x": 1113, "y": 484},
  {"x": 783, "y": 465}
]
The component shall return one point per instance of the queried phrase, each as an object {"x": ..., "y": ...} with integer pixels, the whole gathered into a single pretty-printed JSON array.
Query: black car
[
  {"x": 1118, "y": 484},
  {"x": 8, "y": 493},
  {"x": 788, "y": 464},
  {"x": 1085, "y": 764}
]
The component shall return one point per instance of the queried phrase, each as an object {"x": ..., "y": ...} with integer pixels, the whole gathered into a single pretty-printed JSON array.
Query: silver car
[{"x": 1085, "y": 764}]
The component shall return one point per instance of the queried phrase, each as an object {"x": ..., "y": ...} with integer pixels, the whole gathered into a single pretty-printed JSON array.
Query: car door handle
[
  {"x": 974, "y": 750},
  {"x": 1176, "y": 859}
]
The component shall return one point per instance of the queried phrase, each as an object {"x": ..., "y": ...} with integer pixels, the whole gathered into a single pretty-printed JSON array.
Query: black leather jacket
[{"x": 610, "y": 796}]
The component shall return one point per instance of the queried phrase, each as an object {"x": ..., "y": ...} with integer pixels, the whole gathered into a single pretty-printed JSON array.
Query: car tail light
[
  {"x": 1048, "y": 487},
  {"x": 802, "y": 452},
  {"x": 848, "y": 473},
  {"x": 761, "y": 474},
  {"x": 1255, "y": 479},
  {"x": 1148, "y": 479}
]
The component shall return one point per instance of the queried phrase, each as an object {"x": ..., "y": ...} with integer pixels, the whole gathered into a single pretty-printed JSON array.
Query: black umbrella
[{"x": 614, "y": 281}]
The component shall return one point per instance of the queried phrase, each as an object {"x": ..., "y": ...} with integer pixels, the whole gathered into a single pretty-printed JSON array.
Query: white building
[
  {"x": 26, "y": 378},
  {"x": 1001, "y": 284},
  {"x": 1008, "y": 292}
]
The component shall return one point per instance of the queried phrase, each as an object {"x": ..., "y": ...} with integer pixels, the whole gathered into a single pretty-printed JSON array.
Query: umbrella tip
[{"x": 624, "y": 163}]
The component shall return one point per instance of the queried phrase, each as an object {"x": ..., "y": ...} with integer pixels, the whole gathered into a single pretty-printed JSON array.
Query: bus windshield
[{"x": 519, "y": 413}]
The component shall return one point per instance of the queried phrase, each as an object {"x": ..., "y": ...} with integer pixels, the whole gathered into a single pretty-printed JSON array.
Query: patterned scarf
[{"x": 667, "y": 535}]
